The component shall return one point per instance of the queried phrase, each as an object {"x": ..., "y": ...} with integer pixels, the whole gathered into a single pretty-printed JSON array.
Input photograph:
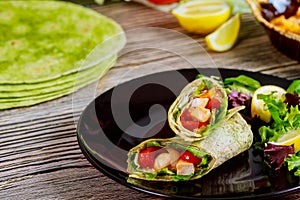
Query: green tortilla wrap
[
  {"x": 46, "y": 84},
  {"x": 63, "y": 80},
  {"x": 49, "y": 49},
  {"x": 31, "y": 100},
  {"x": 229, "y": 138},
  {"x": 82, "y": 78},
  {"x": 198, "y": 108},
  {"x": 45, "y": 40}
]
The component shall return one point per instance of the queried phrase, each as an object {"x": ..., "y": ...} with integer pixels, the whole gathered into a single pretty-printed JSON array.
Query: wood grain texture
[{"x": 39, "y": 154}]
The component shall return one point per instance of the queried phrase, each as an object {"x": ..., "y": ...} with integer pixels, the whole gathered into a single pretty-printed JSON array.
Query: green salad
[{"x": 274, "y": 113}]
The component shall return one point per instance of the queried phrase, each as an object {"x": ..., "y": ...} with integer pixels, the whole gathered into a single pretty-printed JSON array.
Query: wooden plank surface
[{"x": 39, "y": 154}]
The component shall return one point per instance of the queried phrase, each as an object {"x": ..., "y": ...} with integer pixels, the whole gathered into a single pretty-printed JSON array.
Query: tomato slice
[
  {"x": 186, "y": 115},
  {"x": 213, "y": 103},
  {"x": 162, "y": 2},
  {"x": 189, "y": 157},
  {"x": 192, "y": 125},
  {"x": 147, "y": 156}
]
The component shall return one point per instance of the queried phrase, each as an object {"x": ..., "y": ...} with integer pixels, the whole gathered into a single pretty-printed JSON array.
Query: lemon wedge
[
  {"x": 257, "y": 105},
  {"x": 292, "y": 137},
  {"x": 225, "y": 36},
  {"x": 202, "y": 16}
]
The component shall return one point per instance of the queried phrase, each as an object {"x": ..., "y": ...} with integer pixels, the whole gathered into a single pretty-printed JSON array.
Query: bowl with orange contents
[{"x": 281, "y": 20}]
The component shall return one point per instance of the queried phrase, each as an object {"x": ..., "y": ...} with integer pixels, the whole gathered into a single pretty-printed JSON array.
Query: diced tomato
[
  {"x": 162, "y": 2},
  {"x": 189, "y": 157},
  {"x": 192, "y": 125},
  {"x": 186, "y": 115},
  {"x": 189, "y": 122},
  {"x": 213, "y": 103},
  {"x": 147, "y": 156}
]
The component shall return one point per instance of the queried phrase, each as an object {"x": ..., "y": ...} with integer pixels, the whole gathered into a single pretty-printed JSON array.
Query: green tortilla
[
  {"x": 82, "y": 77},
  {"x": 49, "y": 49},
  {"x": 45, "y": 40},
  {"x": 113, "y": 46},
  {"x": 65, "y": 79},
  {"x": 33, "y": 86},
  {"x": 28, "y": 101}
]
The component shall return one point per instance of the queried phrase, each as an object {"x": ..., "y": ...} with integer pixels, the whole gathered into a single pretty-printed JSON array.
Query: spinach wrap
[
  {"x": 175, "y": 159},
  {"x": 198, "y": 108},
  {"x": 45, "y": 40}
]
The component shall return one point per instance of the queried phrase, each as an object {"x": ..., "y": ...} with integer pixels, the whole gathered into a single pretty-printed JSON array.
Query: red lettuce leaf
[
  {"x": 236, "y": 99},
  {"x": 292, "y": 99},
  {"x": 275, "y": 154}
]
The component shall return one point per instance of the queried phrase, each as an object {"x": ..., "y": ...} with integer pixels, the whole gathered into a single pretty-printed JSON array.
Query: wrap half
[
  {"x": 230, "y": 179},
  {"x": 198, "y": 108},
  {"x": 175, "y": 159}
]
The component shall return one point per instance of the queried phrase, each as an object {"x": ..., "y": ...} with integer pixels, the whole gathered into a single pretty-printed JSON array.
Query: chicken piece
[
  {"x": 185, "y": 168},
  {"x": 200, "y": 114},
  {"x": 198, "y": 110},
  {"x": 161, "y": 161},
  {"x": 199, "y": 102},
  {"x": 174, "y": 155}
]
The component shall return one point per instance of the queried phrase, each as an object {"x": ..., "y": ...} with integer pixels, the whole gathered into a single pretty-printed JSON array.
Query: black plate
[{"x": 124, "y": 116}]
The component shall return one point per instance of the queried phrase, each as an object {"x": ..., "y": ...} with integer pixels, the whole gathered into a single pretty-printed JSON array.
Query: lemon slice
[
  {"x": 225, "y": 36},
  {"x": 292, "y": 137},
  {"x": 257, "y": 105},
  {"x": 202, "y": 16}
]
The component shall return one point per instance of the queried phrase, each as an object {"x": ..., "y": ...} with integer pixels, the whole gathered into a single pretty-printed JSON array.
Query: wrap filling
[
  {"x": 177, "y": 161},
  {"x": 202, "y": 104}
]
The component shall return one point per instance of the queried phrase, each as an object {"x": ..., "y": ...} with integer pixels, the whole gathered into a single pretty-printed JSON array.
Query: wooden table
[{"x": 39, "y": 154}]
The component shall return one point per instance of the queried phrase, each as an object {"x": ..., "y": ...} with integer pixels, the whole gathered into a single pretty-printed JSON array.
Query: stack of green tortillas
[{"x": 51, "y": 48}]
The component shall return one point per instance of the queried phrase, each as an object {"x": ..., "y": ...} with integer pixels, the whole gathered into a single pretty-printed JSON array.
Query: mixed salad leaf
[
  {"x": 276, "y": 154},
  {"x": 293, "y": 163},
  {"x": 242, "y": 84},
  {"x": 285, "y": 118},
  {"x": 236, "y": 99},
  {"x": 294, "y": 87},
  {"x": 292, "y": 99},
  {"x": 240, "y": 90}
]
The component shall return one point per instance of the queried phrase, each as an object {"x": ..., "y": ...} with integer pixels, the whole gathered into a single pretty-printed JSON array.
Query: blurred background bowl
[{"x": 285, "y": 41}]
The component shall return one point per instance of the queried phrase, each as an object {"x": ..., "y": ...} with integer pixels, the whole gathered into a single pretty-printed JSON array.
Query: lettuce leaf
[
  {"x": 153, "y": 144},
  {"x": 275, "y": 154},
  {"x": 285, "y": 119},
  {"x": 149, "y": 175},
  {"x": 195, "y": 151},
  {"x": 236, "y": 99},
  {"x": 292, "y": 99},
  {"x": 242, "y": 83},
  {"x": 182, "y": 178},
  {"x": 294, "y": 87},
  {"x": 166, "y": 171},
  {"x": 293, "y": 163}
]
